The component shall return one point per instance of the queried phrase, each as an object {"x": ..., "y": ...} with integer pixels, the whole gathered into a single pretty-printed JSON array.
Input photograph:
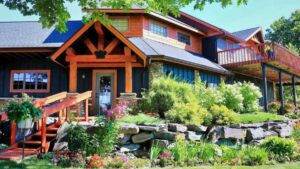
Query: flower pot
[{"x": 25, "y": 124}]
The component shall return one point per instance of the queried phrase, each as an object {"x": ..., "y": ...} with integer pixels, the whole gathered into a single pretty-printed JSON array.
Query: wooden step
[
  {"x": 32, "y": 142},
  {"x": 52, "y": 129},
  {"x": 16, "y": 153},
  {"x": 39, "y": 134}
]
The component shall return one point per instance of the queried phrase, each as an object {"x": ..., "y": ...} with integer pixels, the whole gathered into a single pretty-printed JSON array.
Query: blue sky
[{"x": 256, "y": 13}]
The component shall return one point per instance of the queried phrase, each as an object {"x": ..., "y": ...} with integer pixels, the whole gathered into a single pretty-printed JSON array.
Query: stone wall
[{"x": 137, "y": 139}]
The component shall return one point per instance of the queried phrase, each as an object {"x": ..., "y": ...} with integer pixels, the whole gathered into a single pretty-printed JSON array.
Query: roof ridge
[{"x": 258, "y": 27}]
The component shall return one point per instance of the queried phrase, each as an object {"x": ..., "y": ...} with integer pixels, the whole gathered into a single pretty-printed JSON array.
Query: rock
[
  {"x": 129, "y": 128},
  {"x": 197, "y": 128},
  {"x": 152, "y": 127},
  {"x": 141, "y": 153},
  {"x": 255, "y": 134},
  {"x": 193, "y": 136},
  {"x": 215, "y": 134},
  {"x": 167, "y": 135},
  {"x": 176, "y": 127},
  {"x": 161, "y": 143},
  {"x": 249, "y": 125},
  {"x": 125, "y": 139},
  {"x": 257, "y": 142},
  {"x": 270, "y": 133},
  {"x": 61, "y": 142},
  {"x": 284, "y": 131},
  {"x": 129, "y": 148},
  {"x": 142, "y": 137},
  {"x": 232, "y": 133}
]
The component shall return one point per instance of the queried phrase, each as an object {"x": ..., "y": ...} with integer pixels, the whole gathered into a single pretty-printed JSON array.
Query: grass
[
  {"x": 140, "y": 119},
  {"x": 259, "y": 117},
  {"x": 32, "y": 163}
]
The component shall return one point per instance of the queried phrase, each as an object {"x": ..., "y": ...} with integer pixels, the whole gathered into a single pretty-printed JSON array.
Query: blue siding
[
  {"x": 180, "y": 72},
  {"x": 210, "y": 78}
]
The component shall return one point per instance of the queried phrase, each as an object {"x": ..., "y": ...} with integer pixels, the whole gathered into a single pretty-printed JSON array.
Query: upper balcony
[{"x": 248, "y": 59}]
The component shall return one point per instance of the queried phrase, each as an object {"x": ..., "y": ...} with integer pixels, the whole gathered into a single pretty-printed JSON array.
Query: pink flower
[{"x": 117, "y": 112}]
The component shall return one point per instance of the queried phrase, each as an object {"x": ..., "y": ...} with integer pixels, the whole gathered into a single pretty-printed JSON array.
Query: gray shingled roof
[
  {"x": 246, "y": 34},
  {"x": 24, "y": 34},
  {"x": 157, "y": 49}
]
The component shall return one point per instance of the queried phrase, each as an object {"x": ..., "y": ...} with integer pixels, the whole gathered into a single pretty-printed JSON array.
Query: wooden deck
[
  {"x": 247, "y": 60},
  {"x": 39, "y": 142}
]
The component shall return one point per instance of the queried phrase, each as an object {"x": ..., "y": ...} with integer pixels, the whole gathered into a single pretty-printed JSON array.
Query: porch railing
[{"x": 261, "y": 53}]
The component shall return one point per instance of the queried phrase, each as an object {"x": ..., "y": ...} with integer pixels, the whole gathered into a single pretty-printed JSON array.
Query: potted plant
[{"x": 23, "y": 112}]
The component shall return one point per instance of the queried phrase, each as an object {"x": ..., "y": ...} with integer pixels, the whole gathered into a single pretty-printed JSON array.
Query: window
[
  {"x": 30, "y": 81},
  {"x": 121, "y": 24},
  {"x": 184, "y": 38},
  {"x": 158, "y": 29}
]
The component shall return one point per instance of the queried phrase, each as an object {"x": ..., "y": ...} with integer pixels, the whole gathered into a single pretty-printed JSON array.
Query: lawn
[
  {"x": 140, "y": 119},
  {"x": 28, "y": 164},
  {"x": 259, "y": 117}
]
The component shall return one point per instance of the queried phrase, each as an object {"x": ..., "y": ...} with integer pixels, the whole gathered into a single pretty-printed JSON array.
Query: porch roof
[{"x": 154, "y": 49}]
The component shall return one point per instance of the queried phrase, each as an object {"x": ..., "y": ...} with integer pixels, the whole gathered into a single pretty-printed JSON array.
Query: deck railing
[{"x": 261, "y": 53}]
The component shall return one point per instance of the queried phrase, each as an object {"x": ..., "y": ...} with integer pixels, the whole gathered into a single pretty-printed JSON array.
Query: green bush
[
  {"x": 280, "y": 149},
  {"x": 296, "y": 134},
  {"x": 77, "y": 138},
  {"x": 3, "y": 146},
  {"x": 221, "y": 115},
  {"x": 208, "y": 152},
  {"x": 252, "y": 155},
  {"x": 230, "y": 155},
  {"x": 251, "y": 95},
  {"x": 288, "y": 108},
  {"x": 274, "y": 107},
  {"x": 187, "y": 113},
  {"x": 233, "y": 99}
]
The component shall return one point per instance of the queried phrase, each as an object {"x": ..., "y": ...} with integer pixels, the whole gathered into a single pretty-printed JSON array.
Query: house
[{"x": 119, "y": 60}]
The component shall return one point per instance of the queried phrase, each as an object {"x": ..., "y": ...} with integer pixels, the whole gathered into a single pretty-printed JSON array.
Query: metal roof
[
  {"x": 157, "y": 49},
  {"x": 247, "y": 33}
]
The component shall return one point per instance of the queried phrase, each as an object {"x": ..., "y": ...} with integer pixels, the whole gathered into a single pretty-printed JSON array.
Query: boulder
[
  {"x": 193, "y": 136},
  {"x": 142, "y": 153},
  {"x": 255, "y": 134},
  {"x": 142, "y": 137},
  {"x": 176, "y": 127},
  {"x": 125, "y": 139},
  {"x": 270, "y": 133},
  {"x": 196, "y": 128},
  {"x": 152, "y": 127},
  {"x": 129, "y": 128},
  {"x": 257, "y": 142},
  {"x": 161, "y": 143},
  {"x": 249, "y": 125},
  {"x": 129, "y": 148},
  {"x": 284, "y": 131},
  {"x": 61, "y": 142},
  {"x": 167, "y": 135},
  {"x": 215, "y": 133},
  {"x": 232, "y": 133}
]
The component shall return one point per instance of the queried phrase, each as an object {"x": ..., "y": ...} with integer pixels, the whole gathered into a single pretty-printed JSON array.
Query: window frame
[
  {"x": 125, "y": 18},
  {"x": 190, "y": 38},
  {"x": 161, "y": 25},
  {"x": 12, "y": 90}
]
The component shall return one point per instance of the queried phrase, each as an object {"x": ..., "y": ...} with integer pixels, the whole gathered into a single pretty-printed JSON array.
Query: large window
[
  {"x": 184, "y": 38},
  {"x": 158, "y": 29},
  {"x": 121, "y": 24},
  {"x": 32, "y": 81}
]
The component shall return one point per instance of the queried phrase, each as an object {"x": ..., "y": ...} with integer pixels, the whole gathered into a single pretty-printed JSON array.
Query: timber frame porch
[{"x": 267, "y": 61}]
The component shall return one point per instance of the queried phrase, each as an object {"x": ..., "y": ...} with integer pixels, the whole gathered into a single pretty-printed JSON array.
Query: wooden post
[
  {"x": 73, "y": 77},
  {"x": 86, "y": 110},
  {"x": 294, "y": 91},
  {"x": 128, "y": 70},
  {"x": 281, "y": 92},
  {"x": 43, "y": 135},
  {"x": 264, "y": 87},
  {"x": 68, "y": 113},
  {"x": 13, "y": 132}
]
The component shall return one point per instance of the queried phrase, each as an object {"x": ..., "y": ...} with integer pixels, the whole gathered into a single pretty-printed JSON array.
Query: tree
[
  {"x": 286, "y": 31},
  {"x": 54, "y": 12}
]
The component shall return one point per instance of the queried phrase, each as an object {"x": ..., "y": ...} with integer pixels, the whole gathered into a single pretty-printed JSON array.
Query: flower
[
  {"x": 117, "y": 112},
  {"x": 166, "y": 155}
]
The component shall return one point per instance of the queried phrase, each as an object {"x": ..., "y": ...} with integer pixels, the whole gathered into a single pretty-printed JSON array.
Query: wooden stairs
[{"x": 33, "y": 144}]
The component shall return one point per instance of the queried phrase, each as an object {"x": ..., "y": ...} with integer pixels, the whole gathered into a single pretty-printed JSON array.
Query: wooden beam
[
  {"x": 110, "y": 47},
  {"x": 26, "y": 50},
  {"x": 281, "y": 92},
  {"x": 98, "y": 28},
  {"x": 128, "y": 70},
  {"x": 265, "y": 87},
  {"x": 106, "y": 65},
  {"x": 90, "y": 45},
  {"x": 294, "y": 91},
  {"x": 73, "y": 77},
  {"x": 108, "y": 58}
]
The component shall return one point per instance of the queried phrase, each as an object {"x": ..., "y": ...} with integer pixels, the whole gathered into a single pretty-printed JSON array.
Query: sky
[{"x": 232, "y": 18}]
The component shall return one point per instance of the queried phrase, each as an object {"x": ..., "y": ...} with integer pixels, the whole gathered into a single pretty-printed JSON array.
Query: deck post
[
  {"x": 13, "y": 132},
  {"x": 294, "y": 91},
  {"x": 264, "y": 86},
  {"x": 86, "y": 109},
  {"x": 43, "y": 135},
  {"x": 128, "y": 70},
  {"x": 281, "y": 92}
]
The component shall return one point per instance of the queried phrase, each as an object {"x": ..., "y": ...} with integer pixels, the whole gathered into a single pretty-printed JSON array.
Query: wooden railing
[
  {"x": 59, "y": 103},
  {"x": 261, "y": 53}
]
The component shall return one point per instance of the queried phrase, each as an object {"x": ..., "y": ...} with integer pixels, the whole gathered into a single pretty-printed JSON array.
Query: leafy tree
[
  {"x": 286, "y": 31},
  {"x": 54, "y": 12}
]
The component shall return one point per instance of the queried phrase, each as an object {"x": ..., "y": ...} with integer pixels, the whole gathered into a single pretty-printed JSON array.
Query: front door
[{"x": 104, "y": 91}]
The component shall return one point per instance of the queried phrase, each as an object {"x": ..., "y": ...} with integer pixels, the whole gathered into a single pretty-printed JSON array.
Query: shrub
[
  {"x": 253, "y": 155},
  {"x": 221, "y": 115},
  {"x": 233, "y": 99},
  {"x": 296, "y": 134},
  {"x": 162, "y": 102},
  {"x": 3, "y": 146},
  {"x": 180, "y": 152},
  {"x": 189, "y": 113},
  {"x": 289, "y": 108},
  {"x": 77, "y": 138},
  {"x": 208, "y": 152},
  {"x": 251, "y": 95},
  {"x": 230, "y": 155},
  {"x": 280, "y": 149},
  {"x": 274, "y": 107}
]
